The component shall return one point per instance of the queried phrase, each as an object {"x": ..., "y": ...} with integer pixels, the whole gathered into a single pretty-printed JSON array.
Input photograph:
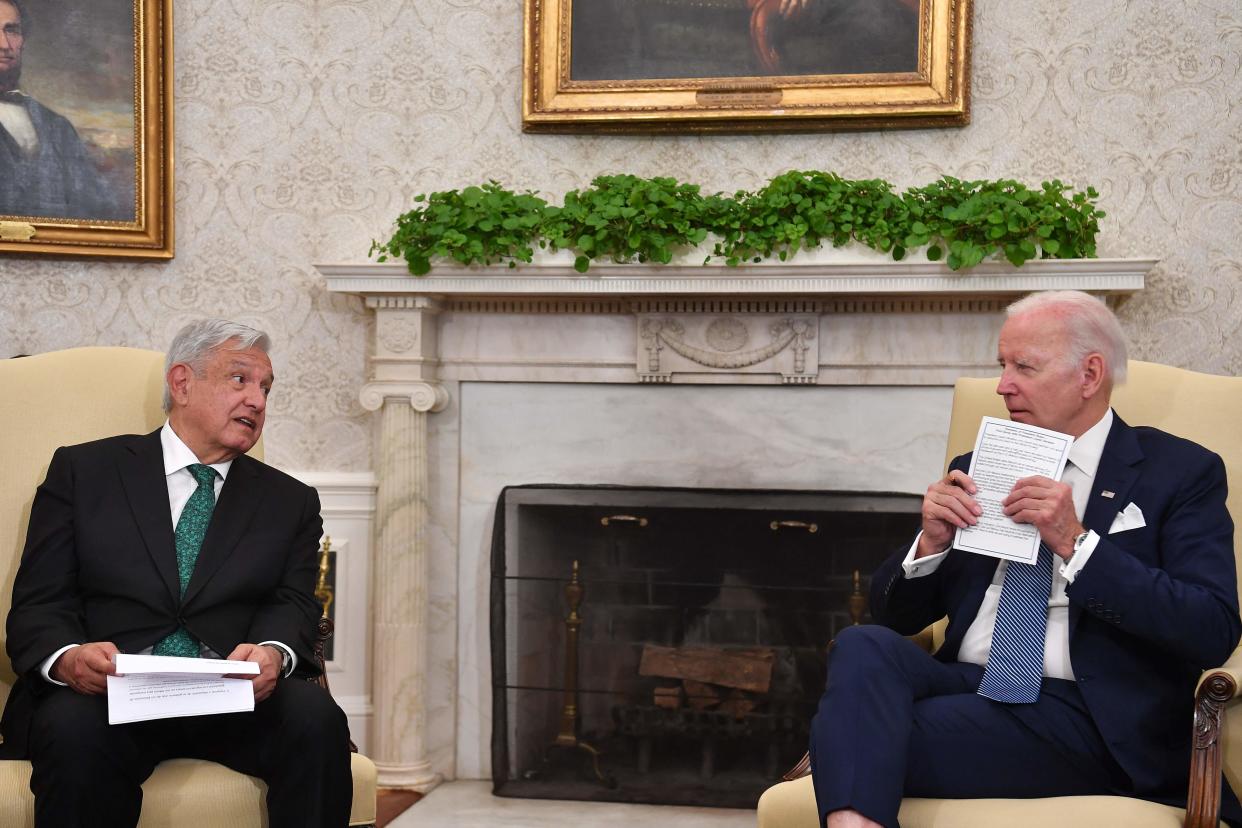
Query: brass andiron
[
  {"x": 323, "y": 592},
  {"x": 857, "y": 601},
  {"x": 568, "y": 735}
]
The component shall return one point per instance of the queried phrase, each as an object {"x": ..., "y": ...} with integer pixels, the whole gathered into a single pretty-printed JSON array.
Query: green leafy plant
[
  {"x": 802, "y": 210},
  {"x": 624, "y": 218},
  {"x": 478, "y": 224},
  {"x": 973, "y": 219}
]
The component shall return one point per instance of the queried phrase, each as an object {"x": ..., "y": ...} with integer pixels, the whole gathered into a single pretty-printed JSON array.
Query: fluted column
[{"x": 404, "y": 392}]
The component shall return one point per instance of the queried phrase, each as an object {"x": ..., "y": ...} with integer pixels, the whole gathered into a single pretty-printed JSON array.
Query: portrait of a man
[
  {"x": 658, "y": 39},
  {"x": 66, "y": 132}
]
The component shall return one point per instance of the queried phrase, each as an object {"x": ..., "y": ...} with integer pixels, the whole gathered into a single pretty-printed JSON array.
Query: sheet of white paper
[
  {"x": 138, "y": 698},
  {"x": 129, "y": 664},
  {"x": 1006, "y": 452}
]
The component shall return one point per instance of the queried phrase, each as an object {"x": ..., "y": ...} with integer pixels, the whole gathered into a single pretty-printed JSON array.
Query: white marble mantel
[
  {"x": 813, "y": 279},
  {"x": 764, "y": 376},
  {"x": 870, "y": 322}
]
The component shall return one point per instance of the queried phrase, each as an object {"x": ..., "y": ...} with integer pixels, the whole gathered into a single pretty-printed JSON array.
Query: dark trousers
[
  {"x": 895, "y": 722},
  {"x": 89, "y": 773}
]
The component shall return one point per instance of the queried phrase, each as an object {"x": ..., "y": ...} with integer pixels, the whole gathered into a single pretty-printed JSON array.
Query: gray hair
[
  {"x": 194, "y": 343},
  {"x": 1089, "y": 324}
]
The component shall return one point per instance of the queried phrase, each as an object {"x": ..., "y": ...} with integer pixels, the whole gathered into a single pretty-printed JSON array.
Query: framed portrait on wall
[
  {"x": 86, "y": 128},
  {"x": 744, "y": 65}
]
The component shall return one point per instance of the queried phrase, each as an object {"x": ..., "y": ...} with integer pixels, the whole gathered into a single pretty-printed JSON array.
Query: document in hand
[
  {"x": 1006, "y": 452},
  {"x": 164, "y": 687}
]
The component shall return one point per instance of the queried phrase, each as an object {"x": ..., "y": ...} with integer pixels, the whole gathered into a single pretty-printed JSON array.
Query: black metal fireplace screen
[{"x": 668, "y": 645}]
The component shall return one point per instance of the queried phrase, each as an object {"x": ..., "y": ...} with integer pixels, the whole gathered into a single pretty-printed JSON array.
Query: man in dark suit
[
  {"x": 104, "y": 571},
  {"x": 1140, "y": 599}
]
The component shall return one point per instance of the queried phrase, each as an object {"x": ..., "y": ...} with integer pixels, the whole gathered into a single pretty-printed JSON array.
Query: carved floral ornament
[
  {"x": 791, "y": 340},
  {"x": 396, "y": 334}
]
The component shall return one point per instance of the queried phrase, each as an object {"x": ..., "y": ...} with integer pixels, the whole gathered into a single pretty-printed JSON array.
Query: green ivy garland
[{"x": 624, "y": 218}]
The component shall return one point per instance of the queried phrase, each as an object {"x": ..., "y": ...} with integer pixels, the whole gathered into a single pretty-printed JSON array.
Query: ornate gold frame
[
  {"x": 150, "y": 235},
  {"x": 936, "y": 95}
]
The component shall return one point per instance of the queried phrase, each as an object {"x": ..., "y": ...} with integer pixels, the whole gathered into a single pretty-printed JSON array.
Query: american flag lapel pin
[{"x": 1107, "y": 493}]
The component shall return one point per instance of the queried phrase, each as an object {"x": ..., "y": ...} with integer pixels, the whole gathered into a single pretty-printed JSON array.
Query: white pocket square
[{"x": 1128, "y": 518}]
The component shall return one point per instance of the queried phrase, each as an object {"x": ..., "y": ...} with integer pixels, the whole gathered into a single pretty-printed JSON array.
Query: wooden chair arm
[
  {"x": 322, "y": 633},
  {"x": 1216, "y": 689}
]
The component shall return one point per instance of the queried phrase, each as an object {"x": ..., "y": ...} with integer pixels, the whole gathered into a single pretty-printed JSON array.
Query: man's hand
[
  {"x": 85, "y": 668},
  {"x": 949, "y": 505},
  {"x": 269, "y": 662},
  {"x": 1049, "y": 506}
]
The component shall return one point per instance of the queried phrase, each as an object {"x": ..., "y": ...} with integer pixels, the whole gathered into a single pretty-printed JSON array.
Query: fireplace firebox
[{"x": 668, "y": 645}]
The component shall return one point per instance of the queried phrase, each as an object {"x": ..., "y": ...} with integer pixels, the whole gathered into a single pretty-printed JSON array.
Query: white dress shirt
[
  {"x": 16, "y": 122},
  {"x": 1084, "y": 461},
  {"x": 181, "y": 484}
]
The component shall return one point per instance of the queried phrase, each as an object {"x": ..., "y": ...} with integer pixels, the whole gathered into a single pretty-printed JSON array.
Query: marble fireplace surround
[{"x": 813, "y": 375}]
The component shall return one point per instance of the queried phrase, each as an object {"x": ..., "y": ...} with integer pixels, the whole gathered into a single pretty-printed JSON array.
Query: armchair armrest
[{"x": 1216, "y": 688}]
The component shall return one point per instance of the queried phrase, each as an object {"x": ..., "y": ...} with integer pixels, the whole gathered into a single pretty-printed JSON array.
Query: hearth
[{"x": 668, "y": 645}]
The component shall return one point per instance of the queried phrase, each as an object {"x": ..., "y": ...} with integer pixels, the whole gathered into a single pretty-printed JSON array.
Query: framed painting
[
  {"x": 745, "y": 65},
  {"x": 86, "y": 128}
]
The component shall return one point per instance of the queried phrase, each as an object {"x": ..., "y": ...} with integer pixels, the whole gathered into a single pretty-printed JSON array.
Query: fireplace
[
  {"x": 813, "y": 377},
  {"x": 668, "y": 645}
]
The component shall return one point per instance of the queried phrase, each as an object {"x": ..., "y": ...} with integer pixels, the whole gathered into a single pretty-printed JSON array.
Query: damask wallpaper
[{"x": 303, "y": 127}]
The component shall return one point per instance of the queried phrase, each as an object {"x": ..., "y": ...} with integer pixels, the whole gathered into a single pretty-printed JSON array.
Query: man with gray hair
[
  {"x": 105, "y": 572},
  {"x": 1072, "y": 675}
]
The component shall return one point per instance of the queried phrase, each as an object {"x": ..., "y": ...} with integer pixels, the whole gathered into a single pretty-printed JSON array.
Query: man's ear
[
  {"x": 1092, "y": 375},
  {"x": 178, "y": 378}
]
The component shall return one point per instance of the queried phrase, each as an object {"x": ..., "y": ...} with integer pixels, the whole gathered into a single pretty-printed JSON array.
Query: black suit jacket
[
  {"x": 1152, "y": 609},
  {"x": 100, "y": 564}
]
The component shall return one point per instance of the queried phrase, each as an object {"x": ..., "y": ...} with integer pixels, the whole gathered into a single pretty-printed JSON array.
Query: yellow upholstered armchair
[
  {"x": 1200, "y": 407},
  {"x": 69, "y": 397}
]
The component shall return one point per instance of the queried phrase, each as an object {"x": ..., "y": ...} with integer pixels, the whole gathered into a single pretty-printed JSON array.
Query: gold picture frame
[
  {"x": 94, "y": 174},
  {"x": 742, "y": 66}
]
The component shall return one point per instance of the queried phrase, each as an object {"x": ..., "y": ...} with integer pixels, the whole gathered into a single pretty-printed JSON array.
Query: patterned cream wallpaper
[{"x": 305, "y": 126}]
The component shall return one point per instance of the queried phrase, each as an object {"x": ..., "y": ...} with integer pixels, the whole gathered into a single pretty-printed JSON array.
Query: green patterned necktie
[{"x": 191, "y": 529}]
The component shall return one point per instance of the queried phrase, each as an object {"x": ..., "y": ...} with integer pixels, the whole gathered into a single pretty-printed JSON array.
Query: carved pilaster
[
  {"x": 400, "y": 644},
  {"x": 403, "y": 389}
]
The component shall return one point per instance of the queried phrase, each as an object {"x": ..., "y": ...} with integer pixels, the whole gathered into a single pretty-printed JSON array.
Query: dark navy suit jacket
[{"x": 1152, "y": 609}]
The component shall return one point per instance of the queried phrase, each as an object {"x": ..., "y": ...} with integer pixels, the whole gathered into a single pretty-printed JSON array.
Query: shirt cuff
[
  {"x": 46, "y": 668},
  {"x": 290, "y": 660},
  {"x": 1071, "y": 568},
  {"x": 923, "y": 566}
]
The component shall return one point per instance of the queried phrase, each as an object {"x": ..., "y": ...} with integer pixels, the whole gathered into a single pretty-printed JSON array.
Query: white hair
[
  {"x": 1089, "y": 324},
  {"x": 194, "y": 343}
]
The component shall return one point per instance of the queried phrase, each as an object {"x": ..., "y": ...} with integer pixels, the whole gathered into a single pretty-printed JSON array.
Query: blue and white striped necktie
[{"x": 1016, "y": 662}]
